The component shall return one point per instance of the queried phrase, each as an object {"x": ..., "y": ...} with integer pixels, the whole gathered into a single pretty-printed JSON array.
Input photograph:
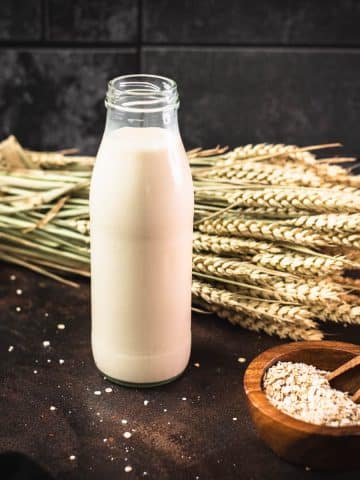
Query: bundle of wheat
[{"x": 275, "y": 231}]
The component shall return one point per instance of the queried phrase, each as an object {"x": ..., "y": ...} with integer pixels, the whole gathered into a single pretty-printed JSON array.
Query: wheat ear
[
  {"x": 338, "y": 312},
  {"x": 267, "y": 230},
  {"x": 272, "y": 150},
  {"x": 252, "y": 172},
  {"x": 295, "y": 330},
  {"x": 307, "y": 265},
  {"x": 234, "y": 269},
  {"x": 231, "y": 245},
  {"x": 254, "y": 308},
  {"x": 313, "y": 200},
  {"x": 328, "y": 222}
]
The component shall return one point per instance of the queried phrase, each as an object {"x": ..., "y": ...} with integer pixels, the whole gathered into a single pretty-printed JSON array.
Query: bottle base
[
  {"x": 141, "y": 370},
  {"x": 141, "y": 385}
]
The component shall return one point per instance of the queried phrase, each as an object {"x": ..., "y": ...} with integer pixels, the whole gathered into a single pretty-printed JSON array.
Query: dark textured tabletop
[{"x": 58, "y": 418}]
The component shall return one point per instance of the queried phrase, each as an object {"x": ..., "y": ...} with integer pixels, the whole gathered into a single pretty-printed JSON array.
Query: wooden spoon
[{"x": 347, "y": 378}]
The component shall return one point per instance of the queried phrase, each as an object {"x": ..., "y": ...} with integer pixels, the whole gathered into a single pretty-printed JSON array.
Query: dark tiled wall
[{"x": 248, "y": 71}]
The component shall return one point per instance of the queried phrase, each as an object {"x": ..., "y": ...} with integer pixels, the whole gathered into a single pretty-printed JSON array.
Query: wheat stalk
[
  {"x": 270, "y": 212},
  {"x": 261, "y": 229},
  {"x": 342, "y": 312},
  {"x": 304, "y": 291},
  {"x": 234, "y": 269},
  {"x": 276, "y": 311},
  {"x": 58, "y": 160},
  {"x": 322, "y": 201},
  {"x": 304, "y": 258},
  {"x": 230, "y": 245},
  {"x": 328, "y": 222},
  {"x": 251, "y": 172},
  {"x": 352, "y": 283},
  {"x": 272, "y": 150},
  {"x": 335, "y": 174},
  {"x": 295, "y": 263},
  {"x": 285, "y": 288},
  {"x": 295, "y": 330}
]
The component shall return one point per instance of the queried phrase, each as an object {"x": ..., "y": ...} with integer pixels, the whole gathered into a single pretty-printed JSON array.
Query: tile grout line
[
  {"x": 250, "y": 46},
  {"x": 140, "y": 36},
  {"x": 44, "y": 16},
  {"x": 99, "y": 47},
  {"x": 46, "y": 44}
]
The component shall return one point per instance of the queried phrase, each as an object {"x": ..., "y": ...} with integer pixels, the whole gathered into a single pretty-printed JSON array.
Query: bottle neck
[
  {"x": 142, "y": 101},
  {"x": 163, "y": 119}
]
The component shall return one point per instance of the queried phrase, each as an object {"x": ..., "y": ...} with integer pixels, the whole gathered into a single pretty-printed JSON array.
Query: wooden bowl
[{"x": 318, "y": 447}]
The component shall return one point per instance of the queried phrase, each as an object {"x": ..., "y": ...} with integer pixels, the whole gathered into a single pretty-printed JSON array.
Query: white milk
[{"x": 141, "y": 210}]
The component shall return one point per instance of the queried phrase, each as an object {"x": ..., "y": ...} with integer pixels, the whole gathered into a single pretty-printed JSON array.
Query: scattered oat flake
[
  {"x": 124, "y": 422},
  {"x": 52, "y": 408},
  {"x": 35, "y": 371},
  {"x": 165, "y": 410},
  {"x": 61, "y": 361},
  {"x": 146, "y": 402},
  {"x": 241, "y": 359},
  {"x": 60, "y": 326},
  {"x": 11, "y": 348},
  {"x": 128, "y": 468},
  {"x": 18, "y": 309},
  {"x": 72, "y": 457},
  {"x": 197, "y": 365},
  {"x": 307, "y": 469},
  {"x": 108, "y": 389},
  {"x": 48, "y": 360},
  {"x": 46, "y": 343},
  {"x": 127, "y": 435},
  {"x": 46, "y": 314},
  {"x": 19, "y": 291},
  {"x": 184, "y": 398},
  {"x": 105, "y": 440},
  {"x": 234, "y": 418},
  {"x": 97, "y": 392},
  {"x": 12, "y": 277}
]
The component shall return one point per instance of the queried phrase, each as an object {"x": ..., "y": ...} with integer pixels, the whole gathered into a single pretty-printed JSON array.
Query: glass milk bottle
[{"x": 141, "y": 214}]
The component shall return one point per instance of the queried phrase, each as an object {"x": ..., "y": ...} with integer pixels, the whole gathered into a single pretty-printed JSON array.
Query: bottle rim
[{"x": 141, "y": 93}]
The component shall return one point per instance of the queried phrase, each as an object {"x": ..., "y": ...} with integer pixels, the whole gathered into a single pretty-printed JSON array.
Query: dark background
[{"x": 248, "y": 71}]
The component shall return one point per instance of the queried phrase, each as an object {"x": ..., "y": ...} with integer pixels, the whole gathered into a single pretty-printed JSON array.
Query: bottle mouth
[{"x": 142, "y": 93}]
